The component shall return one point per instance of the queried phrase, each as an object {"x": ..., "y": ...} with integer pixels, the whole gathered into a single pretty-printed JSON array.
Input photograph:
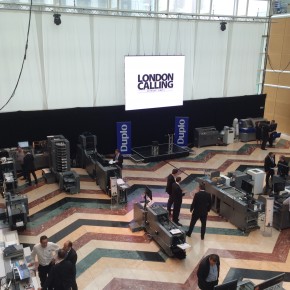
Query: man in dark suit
[
  {"x": 170, "y": 181},
  {"x": 269, "y": 165},
  {"x": 118, "y": 158},
  {"x": 29, "y": 167},
  {"x": 61, "y": 274},
  {"x": 72, "y": 256},
  {"x": 208, "y": 272},
  {"x": 200, "y": 206},
  {"x": 177, "y": 195},
  {"x": 283, "y": 168},
  {"x": 265, "y": 135},
  {"x": 272, "y": 132}
]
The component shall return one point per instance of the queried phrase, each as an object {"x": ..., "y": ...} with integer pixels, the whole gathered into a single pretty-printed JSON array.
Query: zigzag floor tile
[{"x": 112, "y": 257}]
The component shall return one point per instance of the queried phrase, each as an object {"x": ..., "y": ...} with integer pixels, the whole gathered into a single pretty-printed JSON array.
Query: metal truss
[{"x": 133, "y": 13}]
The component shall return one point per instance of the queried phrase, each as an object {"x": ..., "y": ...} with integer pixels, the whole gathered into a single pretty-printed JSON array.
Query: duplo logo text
[
  {"x": 181, "y": 132},
  {"x": 124, "y": 138}
]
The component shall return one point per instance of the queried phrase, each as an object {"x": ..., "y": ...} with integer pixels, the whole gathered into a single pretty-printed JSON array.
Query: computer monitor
[
  {"x": 271, "y": 282},
  {"x": 23, "y": 144},
  {"x": 247, "y": 187},
  {"x": 231, "y": 285},
  {"x": 214, "y": 174},
  {"x": 279, "y": 186},
  {"x": 148, "y": 192}
]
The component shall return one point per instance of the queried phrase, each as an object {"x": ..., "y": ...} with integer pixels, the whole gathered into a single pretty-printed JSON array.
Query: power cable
[{"x": 24, "y": 58}]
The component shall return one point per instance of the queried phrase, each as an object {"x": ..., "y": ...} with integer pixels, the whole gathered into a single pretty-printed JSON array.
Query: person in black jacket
[
  {"x": 200, "y": 206},
  {"x": 72, "y": 256},
  {"x": 258, "y": 132},
  {"x": 269, "y": 165},
  {"x": 61, "y": 274},
  {"x": 177, "y": 195},
  {"x": 118, "y": 158},
  {"x": 283, "y": 167},
  {"x": 208, "y": 272},
  {"x": 272, "y": 132},
  {"x": 265, "y": 135},
  {"x": 170, "y": 181},
  {"x": 29, "y": 167}
]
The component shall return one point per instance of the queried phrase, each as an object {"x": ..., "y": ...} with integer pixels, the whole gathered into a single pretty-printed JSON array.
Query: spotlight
[
  {"x": 223, "y": 26},
  {"x": 57, "y": 19}
]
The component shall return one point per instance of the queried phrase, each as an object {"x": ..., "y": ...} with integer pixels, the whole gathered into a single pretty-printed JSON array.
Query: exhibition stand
[{"x": 14, "y": 260}]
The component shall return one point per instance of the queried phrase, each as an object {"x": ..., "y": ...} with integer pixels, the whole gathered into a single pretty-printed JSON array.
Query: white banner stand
[
  {"x": 268, "y": 217},
  {"x": 114, "y": 191}
]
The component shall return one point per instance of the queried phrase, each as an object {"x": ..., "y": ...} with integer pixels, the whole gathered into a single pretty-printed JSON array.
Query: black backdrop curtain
[{"x": 147, "y": 125}]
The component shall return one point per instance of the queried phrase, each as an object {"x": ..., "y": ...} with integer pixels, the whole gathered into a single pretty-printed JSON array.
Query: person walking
[
  {"x": 269, "y": 165},
  {"x": 200, "y": 206},
  {"x": 29, "y": 167}
]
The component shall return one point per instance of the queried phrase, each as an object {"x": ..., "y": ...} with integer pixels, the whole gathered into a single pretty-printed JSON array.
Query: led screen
[{"x": 153, "y": 81}]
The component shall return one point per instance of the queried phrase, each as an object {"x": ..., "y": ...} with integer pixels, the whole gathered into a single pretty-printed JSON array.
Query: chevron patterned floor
[{"x": 111, "y": 257}]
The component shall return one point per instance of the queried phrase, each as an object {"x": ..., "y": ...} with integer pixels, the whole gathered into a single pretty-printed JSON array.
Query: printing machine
[
  {"x": 98, "y": 167},
  {"x": 205, "y": 136},
  {"x": 281, "y": 215},
  {"x": 155, "y": 221},
  {"x": 233, "y": 204},
  {"x": 247, "y": 130},
  {"x": 16, "y": 210}
]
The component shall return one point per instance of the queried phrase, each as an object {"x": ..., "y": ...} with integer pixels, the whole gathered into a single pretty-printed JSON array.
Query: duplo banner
[
  {"x": 124, "y": 137},
  {"x": 181, "y": 131}
]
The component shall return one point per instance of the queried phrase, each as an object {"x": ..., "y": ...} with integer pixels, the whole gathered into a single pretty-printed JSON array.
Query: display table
[
  {"x": 15, "y": 266},
  {"x": 232, "y": 204},
  {"x": 122, "y": 190}
]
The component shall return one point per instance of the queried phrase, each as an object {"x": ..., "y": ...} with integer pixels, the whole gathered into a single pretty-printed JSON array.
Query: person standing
[
  {"x": 272, "y": 132},
  {"x": 118, "y": 158},
  {"x": 44, "y": 251},
  {"x": 72, "y": 256},
  {"x": 29, "y": 166},
  {"x": 20, "y": 159},
  {"x": 283, "y": 168},
  {"x": 177, "y": 195},
  {"x": 258, "y": 132},
  {"x": 265, "y": 135},
  {"x": 269, "y": 165},
  {"x": 61, "y": 275},
  {"x": 200, "y": 206},
  {"x": 208, "y": 272},
  {"x": 170, "y": 180}
]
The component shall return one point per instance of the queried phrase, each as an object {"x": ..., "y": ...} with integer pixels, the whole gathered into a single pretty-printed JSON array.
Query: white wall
[{"x": 80, "y": 63}]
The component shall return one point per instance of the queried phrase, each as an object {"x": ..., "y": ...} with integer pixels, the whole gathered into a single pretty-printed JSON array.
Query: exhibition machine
[
  {"x": 16, "y": 205},
  {"x": 155, "y": 221}
]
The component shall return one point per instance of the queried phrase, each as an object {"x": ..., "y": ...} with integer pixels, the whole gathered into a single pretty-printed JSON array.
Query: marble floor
[{"x": 112, "y": 257}]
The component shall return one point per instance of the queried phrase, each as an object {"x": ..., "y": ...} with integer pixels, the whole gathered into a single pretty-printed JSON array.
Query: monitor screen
[
  {"x": 153, "y": 81},
  {"x": 277, "y": 280},
  {"x": 247, "y": 187},
  {"x": 279, "y": 186},
  {"x": 148, "y": 192},
  {"x": 214, "y": 174},
  {"x": 231, "y": 285},
  {"x": 23, "y": 144}
]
